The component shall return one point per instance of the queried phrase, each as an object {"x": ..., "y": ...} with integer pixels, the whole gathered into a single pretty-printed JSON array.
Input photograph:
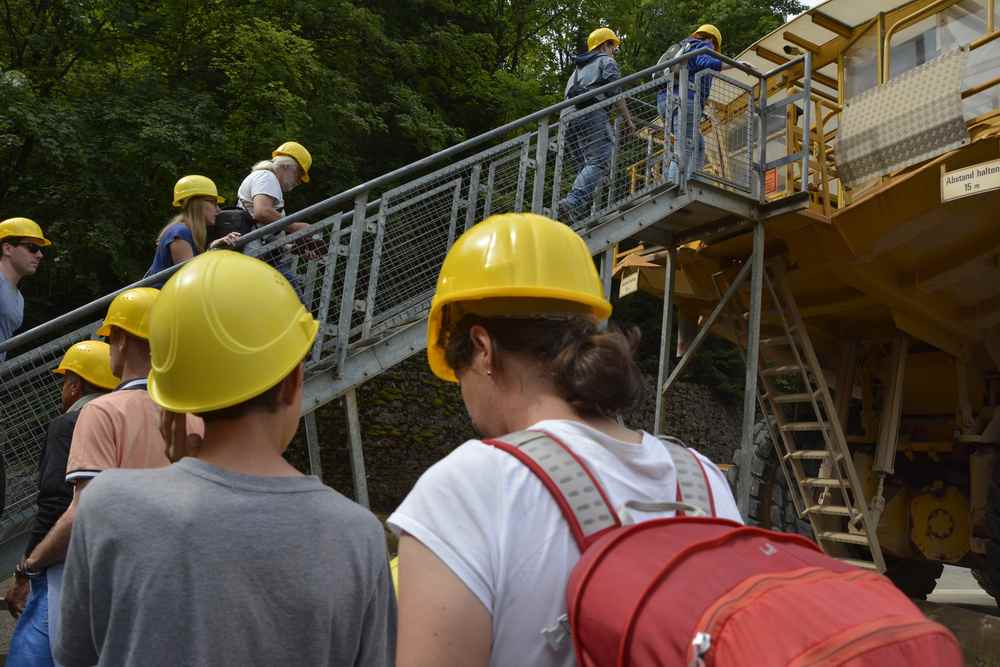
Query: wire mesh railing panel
[
  {"x": 613, "y": 151},
  {"x": 728, "y": 144},
  {"x": 30, "y": 399},
  {"x": 370, "y": 266}
]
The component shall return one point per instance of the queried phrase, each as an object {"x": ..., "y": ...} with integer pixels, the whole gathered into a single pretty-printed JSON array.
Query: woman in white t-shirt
[
  {"x": 484, "y": 550},
  {"x": 262, "y": 195}
]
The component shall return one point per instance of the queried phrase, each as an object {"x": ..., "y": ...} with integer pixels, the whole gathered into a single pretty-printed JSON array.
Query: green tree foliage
[{"x": 105, "y": 103}]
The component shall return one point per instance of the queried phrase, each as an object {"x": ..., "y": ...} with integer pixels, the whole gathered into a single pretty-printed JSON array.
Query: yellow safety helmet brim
[
  {"x": 600, "y": 36},
  {"x": 297, "y": 152},
  {"x": 194, "y": 185},
  {"x": 513, "y": 265},
  {"x": 709, "y": 29},
  {"x": 25, "y": 228},
  {"x": 130, "y": 311},
  {"x": 227, "y": 328},
  {"x": 180, "y": 202},
  {"x": 91, "y": 360}
]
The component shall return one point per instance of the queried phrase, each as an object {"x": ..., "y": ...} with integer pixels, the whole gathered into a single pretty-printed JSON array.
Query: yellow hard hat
[
  {"x": 710, "y": 29},
  {"x": 294, "y": 149},
  {"x": 130, "y": 311},
  {"x": 24, "y": 228},
  {"x": 91, "y": 360},
  {"x": 600, "y": 36},
  {"x": 228, "y": 327},
  {"x": 513, "y": 264},
  {"x": 195, "y": 186}
]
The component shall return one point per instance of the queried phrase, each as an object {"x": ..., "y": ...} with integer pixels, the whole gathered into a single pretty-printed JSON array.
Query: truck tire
[
  {"x": 988, "y": 576},
  {"x": 916, "y": 578},
  {"x": 771, "y": 503}
]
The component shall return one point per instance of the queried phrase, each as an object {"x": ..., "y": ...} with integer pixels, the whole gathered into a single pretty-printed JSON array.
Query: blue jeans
[
  {"x": 30, "y": 646},
  {"x": 280, "y": 259},
  {"x": 695, "y": 144},
  {"x": 589, "y": 139}
]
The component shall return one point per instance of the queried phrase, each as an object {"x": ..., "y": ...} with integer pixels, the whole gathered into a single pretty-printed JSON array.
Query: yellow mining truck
[{"x": 877, "y": 322}]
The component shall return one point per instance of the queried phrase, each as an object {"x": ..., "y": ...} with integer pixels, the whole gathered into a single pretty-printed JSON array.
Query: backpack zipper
[
  {"x": 854, "y": 642},
  {"x": 741, "y": 596}
]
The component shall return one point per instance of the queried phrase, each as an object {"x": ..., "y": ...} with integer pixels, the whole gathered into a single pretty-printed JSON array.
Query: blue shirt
[
  {"x": 698, "y": 63},
  {"x": 11, "y": 311},
  {"x": 163, "y": 259}
]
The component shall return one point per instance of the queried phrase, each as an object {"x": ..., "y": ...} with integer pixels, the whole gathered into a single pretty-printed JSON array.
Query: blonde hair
[
  {"x": 192, "y": 216},
  {"x": 275, "y": 163}
]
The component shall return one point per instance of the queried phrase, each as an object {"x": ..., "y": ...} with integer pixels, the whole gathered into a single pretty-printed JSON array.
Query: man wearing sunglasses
[{"x": 21, "y": 243}]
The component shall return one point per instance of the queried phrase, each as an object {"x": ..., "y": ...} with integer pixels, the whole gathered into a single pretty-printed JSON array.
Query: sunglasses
[{"x": 33, "y": 248}]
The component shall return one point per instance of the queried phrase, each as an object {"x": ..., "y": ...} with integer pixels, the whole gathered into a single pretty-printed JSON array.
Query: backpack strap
[
  {"x": 579, "y": 495},
  {"x": 693, "y": 487}
]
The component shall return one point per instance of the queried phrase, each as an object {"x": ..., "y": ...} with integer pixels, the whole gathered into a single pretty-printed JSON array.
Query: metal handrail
[
  {"x": 372, "y": 284},
  {"x": 329, "y": 205}
]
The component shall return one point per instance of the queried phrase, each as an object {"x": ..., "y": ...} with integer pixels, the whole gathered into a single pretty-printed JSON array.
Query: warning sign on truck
[{"x": 968, "y": 181}]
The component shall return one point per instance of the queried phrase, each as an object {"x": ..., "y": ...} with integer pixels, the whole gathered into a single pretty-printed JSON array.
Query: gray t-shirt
[
  {"x": 11, "y": 311},
  {"x": 193, "y": 565}
]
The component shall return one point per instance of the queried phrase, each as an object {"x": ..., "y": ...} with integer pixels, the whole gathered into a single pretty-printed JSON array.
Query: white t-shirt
[
  {"x": 260, "y": 182},
  {"x": 487, "y": 517}
]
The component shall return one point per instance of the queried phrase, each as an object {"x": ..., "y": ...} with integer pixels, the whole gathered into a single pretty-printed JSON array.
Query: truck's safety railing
[{"x": 374, "y": 250}]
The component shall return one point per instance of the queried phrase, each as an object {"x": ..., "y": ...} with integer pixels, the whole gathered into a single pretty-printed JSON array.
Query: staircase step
[
  {"x": 805, "y": 426},
  {"x": 829, "y": 510},
  {"x": 774, "y": 341},
  {"x": 789, "y": 369},
  {"x": 846, "y": 538},
  {"x": 793, "y": 398},
  {"x": 808, "y": 455},
  {"x": 824, "y": 482},
  {"x": 863, "y": 564}
]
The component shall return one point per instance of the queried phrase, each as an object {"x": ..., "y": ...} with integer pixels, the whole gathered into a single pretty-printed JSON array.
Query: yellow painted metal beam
[
  {"x": 801, "y": 42},
  {"x": 778, "y": 59},
  {"x": 882, "y": 285},
  {"x": 936, "y": 274},
  {"x": 838, "y": 307},
  {"x": 925, "y": 330},
  {"x": 831, "y": 24}
]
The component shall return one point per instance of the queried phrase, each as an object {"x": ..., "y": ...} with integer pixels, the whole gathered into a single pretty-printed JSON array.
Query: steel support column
[
  {"x": 666, "y": 331},
  {"x": 753, "y": 356},
  {"x": 357, "y": 452},
  {"x": 312, "y": 445},
  {"x": 705, "y": 328},
  {"x": 541, "y": 162}
]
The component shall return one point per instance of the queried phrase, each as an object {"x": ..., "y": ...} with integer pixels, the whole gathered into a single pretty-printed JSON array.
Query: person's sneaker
[{"x": 565, "y": 213}]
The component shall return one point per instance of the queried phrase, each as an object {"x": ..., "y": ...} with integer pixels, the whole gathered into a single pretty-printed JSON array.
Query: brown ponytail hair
[{"x": 593, "y": 370}]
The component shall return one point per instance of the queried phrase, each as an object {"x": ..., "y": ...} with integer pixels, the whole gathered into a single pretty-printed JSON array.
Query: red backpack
[{"x": 701, "y": 591}]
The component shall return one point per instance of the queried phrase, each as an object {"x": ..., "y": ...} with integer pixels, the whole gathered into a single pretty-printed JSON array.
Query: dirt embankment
[{"x": 410, "y": 420}]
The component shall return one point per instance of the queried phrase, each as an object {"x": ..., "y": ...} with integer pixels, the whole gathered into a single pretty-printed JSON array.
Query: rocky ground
[{"x": 410, "y": 419}]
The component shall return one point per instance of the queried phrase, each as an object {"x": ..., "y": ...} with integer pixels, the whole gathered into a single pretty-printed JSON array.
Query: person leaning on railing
[
  {"x": 590, "y": 136},
  {"x": 484, "y": 552},
  {"x": 261, "y": 195},
  {"x": 186, "y": 235},
  {"x": 86, "y": 371},
  {"x": 21, "y": 243}
]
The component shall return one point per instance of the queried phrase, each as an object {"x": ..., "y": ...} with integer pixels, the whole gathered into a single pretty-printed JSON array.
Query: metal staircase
[
  {"x": 797, "y": 403},
  {"x": 383, "y": 241}
]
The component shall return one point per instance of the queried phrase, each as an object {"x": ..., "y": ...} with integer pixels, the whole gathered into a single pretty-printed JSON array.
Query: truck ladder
[{"x": 796, "y": 401}]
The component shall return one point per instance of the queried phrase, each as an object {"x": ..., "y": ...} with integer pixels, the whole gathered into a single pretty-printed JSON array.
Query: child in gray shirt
[{"x": 230, "y": 556}]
